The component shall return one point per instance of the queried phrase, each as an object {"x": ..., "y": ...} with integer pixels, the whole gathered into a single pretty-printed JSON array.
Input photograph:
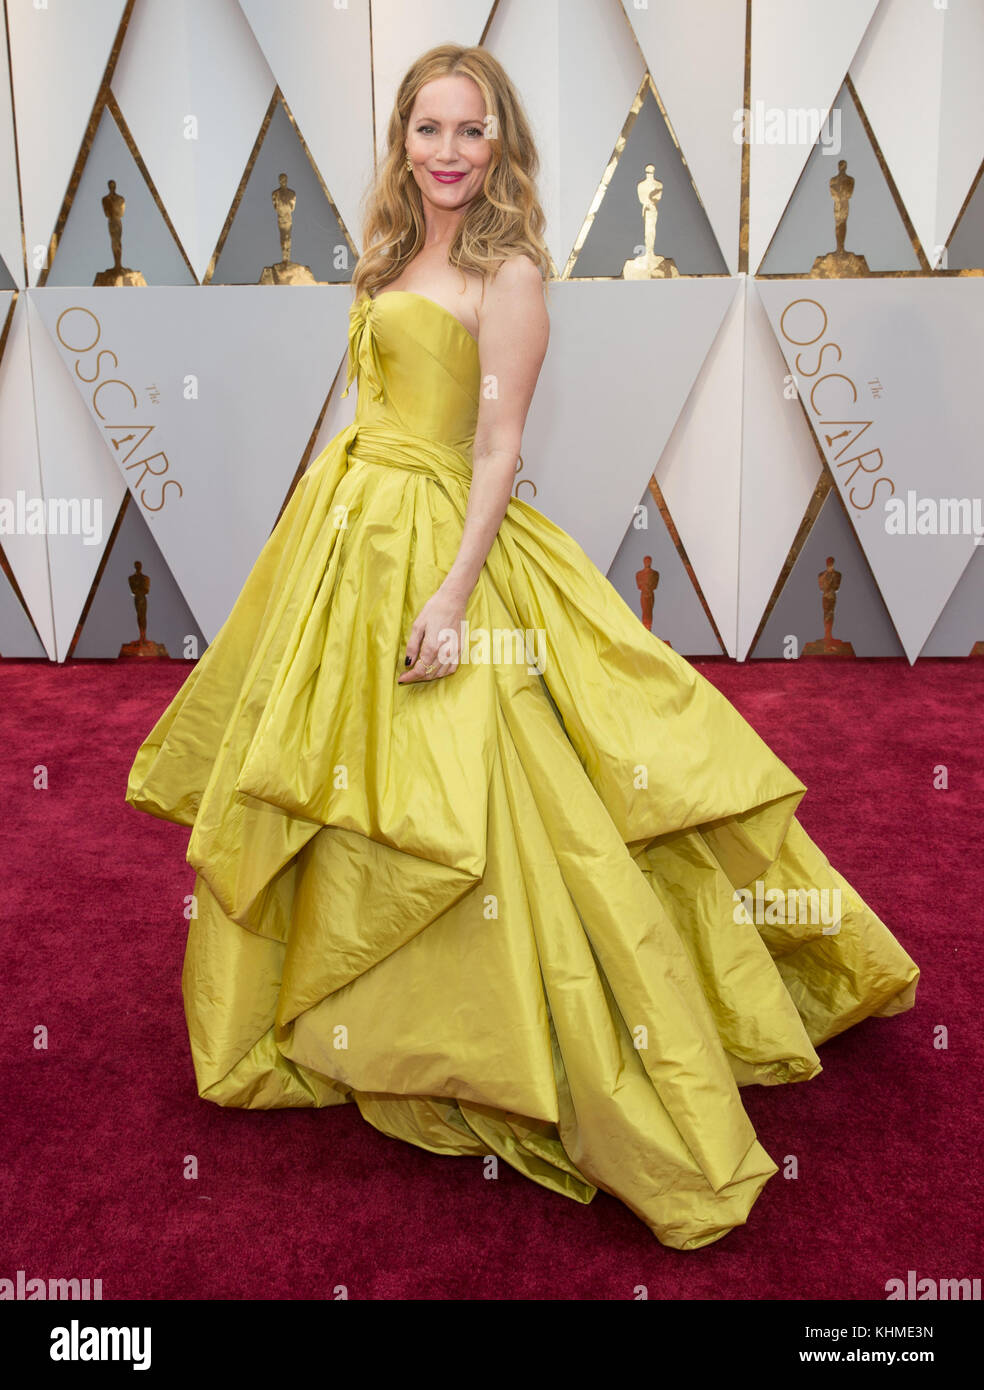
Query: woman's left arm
[{"x": 513, "y": 336}]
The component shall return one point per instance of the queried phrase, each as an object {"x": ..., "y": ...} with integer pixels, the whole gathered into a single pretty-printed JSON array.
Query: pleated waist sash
[{"x": 397, "y": 448}]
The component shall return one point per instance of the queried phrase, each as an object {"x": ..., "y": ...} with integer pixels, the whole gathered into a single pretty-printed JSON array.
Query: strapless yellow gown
[{"x": 496, "y": 911}]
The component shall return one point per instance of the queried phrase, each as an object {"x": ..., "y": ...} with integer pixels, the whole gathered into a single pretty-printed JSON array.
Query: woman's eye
[{"x": 472, "y": 130}]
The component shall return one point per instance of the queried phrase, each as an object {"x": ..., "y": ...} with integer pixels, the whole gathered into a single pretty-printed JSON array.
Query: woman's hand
[{"x": 434, "y": 648}]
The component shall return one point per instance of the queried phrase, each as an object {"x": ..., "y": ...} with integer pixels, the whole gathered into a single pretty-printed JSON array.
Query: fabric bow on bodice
[{"x": 363, "y": 358}]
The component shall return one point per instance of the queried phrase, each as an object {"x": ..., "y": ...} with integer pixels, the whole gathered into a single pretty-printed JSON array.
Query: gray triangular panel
[
  {"x": 860, "y": 617},
  {"x": 678, "y": 616},
  {"x": 683, "y": 231},
  {"x": 875, "y": 229},
  {"x": 112, "y": 616}
]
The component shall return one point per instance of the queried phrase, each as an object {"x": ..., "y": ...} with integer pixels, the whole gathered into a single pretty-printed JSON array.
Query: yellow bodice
[{"x": 417, "y": 366}]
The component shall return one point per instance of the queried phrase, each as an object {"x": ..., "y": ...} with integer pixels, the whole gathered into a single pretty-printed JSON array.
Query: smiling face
[{"x": 446, "y": 141}]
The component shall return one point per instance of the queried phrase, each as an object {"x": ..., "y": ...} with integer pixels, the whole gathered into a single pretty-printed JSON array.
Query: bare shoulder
[
  {"x": 517, "y": 272},
  {"x": 517, "y": 281},
  {"x": 514, "y": 303}
]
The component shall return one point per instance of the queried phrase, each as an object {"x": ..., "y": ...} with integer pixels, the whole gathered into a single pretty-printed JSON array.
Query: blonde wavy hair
[{"x": 505, "y": 219}]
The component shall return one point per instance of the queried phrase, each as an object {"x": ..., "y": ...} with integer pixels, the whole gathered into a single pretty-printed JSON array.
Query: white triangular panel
[
  {"x": 20, "y": 471},
  {"x": 11, "y": 249},
  {"x": 76, "y": 468},
  {"x": 319, "y": 54},
  {"x": 931, "y": 127},
  {"x": 699, "y": 471},
  {"x": 779, "y": 469},
  {"x": 961, "y": 147},
  {"x": 216, "y": 399},
  {"x": 401, "y": 33},
  {"x": 622, "y": 360},
  {"x": 167, "y": 71},
  {"x": 890, "y": 375},
  {"x": 696, "y": 55},
  {"x": 905, "y": 115},
  {"x": 555, "y": 53},
  {"x": 525, "y": 37},
  {"x": 59, "y": 54},
  {"x": 801, "y": 50}
]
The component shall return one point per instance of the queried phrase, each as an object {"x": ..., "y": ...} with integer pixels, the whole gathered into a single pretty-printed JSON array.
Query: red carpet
[{"x": 290, "y": 1204}]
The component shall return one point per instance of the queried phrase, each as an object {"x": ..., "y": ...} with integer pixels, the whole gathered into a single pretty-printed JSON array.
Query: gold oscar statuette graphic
[
  {"x": 836, "y": 264},
  {"x": 650, "y": 266},
  {"x": 287, "y": 272},
  {"x": 114, "y": 206},
  {"x": 142, "y": 649},
  {"x": 829, "y": 581},
  {"x": 647, "y": 580}
]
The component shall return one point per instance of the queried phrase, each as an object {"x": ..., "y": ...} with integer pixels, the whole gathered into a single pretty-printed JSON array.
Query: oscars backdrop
[{"x": 761, "y": 412}]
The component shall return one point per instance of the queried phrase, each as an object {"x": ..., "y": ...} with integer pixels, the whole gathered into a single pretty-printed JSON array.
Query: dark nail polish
[{"x": 406, "y": 661}]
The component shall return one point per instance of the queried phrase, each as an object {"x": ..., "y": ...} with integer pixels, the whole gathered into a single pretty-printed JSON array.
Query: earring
[{"x": 410, "y": 164}]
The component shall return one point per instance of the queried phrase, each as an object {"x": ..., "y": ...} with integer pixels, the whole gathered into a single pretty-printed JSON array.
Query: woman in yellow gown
[{"x": 485, "y": 881}]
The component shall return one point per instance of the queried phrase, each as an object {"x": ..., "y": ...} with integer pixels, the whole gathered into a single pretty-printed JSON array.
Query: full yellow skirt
[{"x": 496, "y": 911}]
